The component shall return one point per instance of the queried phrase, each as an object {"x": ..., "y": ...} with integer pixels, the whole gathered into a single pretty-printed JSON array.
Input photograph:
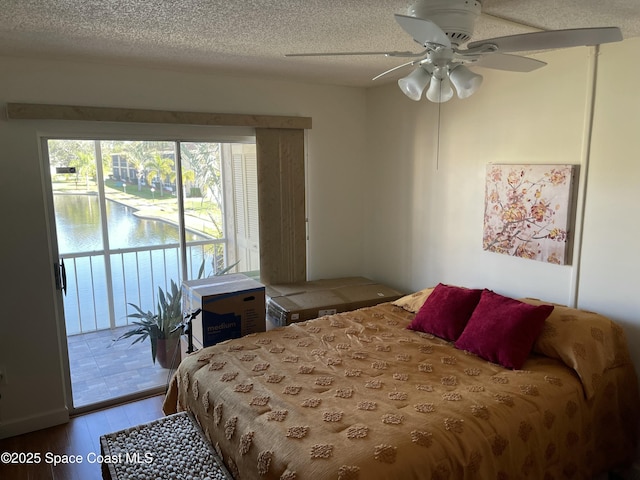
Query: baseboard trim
[{"x": 33, "y": 423}]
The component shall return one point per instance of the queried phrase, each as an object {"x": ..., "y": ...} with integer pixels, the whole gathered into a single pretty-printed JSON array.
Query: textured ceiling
[{"x": 252, "y": 36}]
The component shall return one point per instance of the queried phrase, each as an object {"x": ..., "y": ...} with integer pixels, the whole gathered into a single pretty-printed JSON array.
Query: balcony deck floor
[{"x": 102, "y": 370}]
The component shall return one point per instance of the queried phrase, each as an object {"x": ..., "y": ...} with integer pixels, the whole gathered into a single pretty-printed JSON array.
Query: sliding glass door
[{"x": 132, "y": 218}]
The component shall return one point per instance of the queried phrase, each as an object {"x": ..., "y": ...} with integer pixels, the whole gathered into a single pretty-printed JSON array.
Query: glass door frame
[{"x": 106, "y": 131}]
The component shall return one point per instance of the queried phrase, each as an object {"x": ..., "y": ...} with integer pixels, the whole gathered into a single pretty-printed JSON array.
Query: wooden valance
[{"x": 32, "y": 111}]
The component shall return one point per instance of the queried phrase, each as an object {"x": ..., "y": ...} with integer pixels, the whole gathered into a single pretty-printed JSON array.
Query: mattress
[{"x": 357, "y": 395}]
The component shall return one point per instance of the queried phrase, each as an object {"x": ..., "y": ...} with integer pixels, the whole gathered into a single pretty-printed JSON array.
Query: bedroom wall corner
[
  {"x": 434, "y": 176},
  {"x": 399, "y": 160}
]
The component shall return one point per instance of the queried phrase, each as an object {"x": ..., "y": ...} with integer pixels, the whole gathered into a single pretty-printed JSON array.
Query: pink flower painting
[{"x": 527, "y": 211}]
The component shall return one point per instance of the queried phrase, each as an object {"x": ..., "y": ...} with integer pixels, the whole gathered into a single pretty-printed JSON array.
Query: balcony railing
[{"x": 101, "y": 285}]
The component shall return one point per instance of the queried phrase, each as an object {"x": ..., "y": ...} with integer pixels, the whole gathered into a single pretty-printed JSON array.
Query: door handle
[
  {"x": 63, "y": 271},
  {"x": 60, "y": 274}
]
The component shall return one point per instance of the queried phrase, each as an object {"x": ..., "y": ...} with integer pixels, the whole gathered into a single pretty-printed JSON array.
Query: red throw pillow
[
  {"x": 503, "y": 330},
  {"x": 446, "y": 311}
]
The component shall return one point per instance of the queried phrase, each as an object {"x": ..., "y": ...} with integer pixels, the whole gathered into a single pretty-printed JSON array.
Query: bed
[{"x": 370, "y": 394}]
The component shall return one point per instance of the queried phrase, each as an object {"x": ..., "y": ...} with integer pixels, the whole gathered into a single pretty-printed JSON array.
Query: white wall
[
  {"x": 610, "y": 270},
  {"x": 30, "y": 350},
  {"x": 424, "y": 219}
]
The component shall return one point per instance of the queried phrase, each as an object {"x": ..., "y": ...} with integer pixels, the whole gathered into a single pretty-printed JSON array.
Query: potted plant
[{"x": 159, "y": 327}]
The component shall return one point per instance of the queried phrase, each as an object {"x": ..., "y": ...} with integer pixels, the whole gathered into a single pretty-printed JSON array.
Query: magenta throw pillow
[
  {"x": 503, "y": 330},
  {"x": 446, "y": 311}
]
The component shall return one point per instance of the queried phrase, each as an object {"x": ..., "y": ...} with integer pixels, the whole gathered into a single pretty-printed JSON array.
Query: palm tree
[
  {"x": 136, "y": 159},
  {"x": 204, "y": 159},
  {"x": 187, "y": 176},
  {"x": 159, "y": 167},
  {"x": 138, "y": 154},
  {"x": 86, "y": 165}
]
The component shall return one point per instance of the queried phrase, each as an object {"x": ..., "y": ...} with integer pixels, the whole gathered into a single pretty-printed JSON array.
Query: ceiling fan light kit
[
  {"x": 440, "y": 90},
  {"x": 442, "y": 26},
  {"x": 414, "y": 84},
  {"x": 465, "y": 81}
]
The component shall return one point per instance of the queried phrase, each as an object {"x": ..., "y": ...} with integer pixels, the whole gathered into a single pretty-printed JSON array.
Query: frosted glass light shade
[
  {"x": 414, "y": 84},
  {"x": 440, "y": 90},
  {"x": 465, "y": 81}
]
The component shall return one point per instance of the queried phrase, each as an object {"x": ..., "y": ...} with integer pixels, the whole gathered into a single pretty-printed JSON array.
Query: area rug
[{"x": 168, "y": 448}]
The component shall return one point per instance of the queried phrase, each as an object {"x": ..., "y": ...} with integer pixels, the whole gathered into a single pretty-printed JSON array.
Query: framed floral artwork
[{"x": 528, "y": 211}]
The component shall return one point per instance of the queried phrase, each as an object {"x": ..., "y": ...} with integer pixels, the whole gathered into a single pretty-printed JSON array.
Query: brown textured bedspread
[{"x": 358, "y": 396}]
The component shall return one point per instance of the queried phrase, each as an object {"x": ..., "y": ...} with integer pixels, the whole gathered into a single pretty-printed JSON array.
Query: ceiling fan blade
[
  {"x": 511, "y": 63},
  {"x": 393, "y": 69},
  {"x": 405, "y": 54},
  {"x": 335, "y": 54},
  {"x": 423, "y": 31},
  {"x": 574, "y": 37}
]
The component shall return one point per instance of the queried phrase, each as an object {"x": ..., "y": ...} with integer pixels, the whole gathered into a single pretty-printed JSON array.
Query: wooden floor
[{"x": 79, "y": 438}]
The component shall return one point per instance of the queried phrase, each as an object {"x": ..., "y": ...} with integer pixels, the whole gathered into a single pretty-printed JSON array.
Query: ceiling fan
[{"x": 442, "y": 26}]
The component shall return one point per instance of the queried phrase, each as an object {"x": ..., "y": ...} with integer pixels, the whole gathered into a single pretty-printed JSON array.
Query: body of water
[
  {"x": 135, "y": 275},
  {"x": 79, "y": 227}
]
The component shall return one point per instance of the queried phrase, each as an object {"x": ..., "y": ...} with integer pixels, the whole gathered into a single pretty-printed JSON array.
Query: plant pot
[{"x": 168, "y": 352}]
